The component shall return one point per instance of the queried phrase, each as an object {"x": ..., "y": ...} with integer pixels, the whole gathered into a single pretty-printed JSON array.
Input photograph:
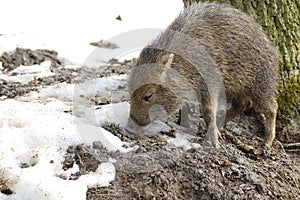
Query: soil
[
  {"x": 226, "y": 173},
  {"x": 156, "y": 169}
]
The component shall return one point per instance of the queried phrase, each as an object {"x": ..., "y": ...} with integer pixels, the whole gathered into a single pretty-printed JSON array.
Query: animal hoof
[{"x": 207, "y": 144}]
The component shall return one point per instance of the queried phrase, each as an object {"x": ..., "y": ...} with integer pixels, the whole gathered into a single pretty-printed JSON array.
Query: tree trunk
[{"x": 280, "y": 19}]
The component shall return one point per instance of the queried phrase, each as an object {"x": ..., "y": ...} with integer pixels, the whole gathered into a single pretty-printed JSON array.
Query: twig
[
  {"x": 292, "y": 150},
  {"x": 281, "y": 146},
  {"x": 292, "y": 146},
  {"x": 244, "y": 147}
]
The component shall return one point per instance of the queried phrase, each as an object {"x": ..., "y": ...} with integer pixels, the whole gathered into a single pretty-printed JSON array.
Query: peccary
[{"x": 217, "y": 52}]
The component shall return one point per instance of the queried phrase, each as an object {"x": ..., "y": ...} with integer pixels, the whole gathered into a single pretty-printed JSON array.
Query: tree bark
[{"x": 280, "y": 19}]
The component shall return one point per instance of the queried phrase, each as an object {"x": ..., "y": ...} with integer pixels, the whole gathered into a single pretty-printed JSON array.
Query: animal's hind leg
[
  {"x": 238, "y": 105},
  {"x": 269, "y": 111},
  {"x": 270, "y": 115}
]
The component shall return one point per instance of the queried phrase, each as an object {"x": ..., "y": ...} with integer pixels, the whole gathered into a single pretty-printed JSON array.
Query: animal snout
[{"x": 131, "y": 126}]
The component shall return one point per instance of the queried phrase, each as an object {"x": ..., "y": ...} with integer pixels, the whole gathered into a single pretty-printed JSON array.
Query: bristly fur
[{"x": 239, "y": 49}]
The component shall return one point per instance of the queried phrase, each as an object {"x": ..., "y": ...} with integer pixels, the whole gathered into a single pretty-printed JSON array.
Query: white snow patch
[
  {"x": 182, "y": 140},
  {"x": 25, "y": 74},
  {"x": 113, "y": 113},
  {"x": 75, "y": 92},
  {"x": 90, "y": 133},
  {"x": 38, "y": 134}
]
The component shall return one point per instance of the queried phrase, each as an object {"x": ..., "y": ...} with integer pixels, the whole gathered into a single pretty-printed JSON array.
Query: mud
[
  {"x": 227, "y": 173},
  {"x": 87, "y": 158}
]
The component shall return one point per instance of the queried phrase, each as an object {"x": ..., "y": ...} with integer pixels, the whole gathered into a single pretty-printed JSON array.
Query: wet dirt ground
[
  {"x": 156, "y": 169},
  {"x": 226, "y": 173}
]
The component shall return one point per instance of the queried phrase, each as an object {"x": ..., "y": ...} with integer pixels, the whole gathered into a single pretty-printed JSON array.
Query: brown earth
[{"x": 227, "y": 173}]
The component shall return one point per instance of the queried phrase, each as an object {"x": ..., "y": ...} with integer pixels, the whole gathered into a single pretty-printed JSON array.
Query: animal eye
[{"x": 147, "y": 98}]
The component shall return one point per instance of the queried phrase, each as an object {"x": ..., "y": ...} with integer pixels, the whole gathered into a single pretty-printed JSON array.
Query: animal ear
[{"x": 170, "y": 60}]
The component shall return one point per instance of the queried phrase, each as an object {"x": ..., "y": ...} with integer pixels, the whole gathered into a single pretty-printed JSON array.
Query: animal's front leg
[
  {"x": 189, "y": 117},
  {"x": 210, "y": 116}
]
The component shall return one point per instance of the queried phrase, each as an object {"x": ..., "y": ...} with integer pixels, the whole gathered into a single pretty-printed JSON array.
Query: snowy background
[
  {"x": 36, "y": 129},
  {"x": 69, "y": 26}
]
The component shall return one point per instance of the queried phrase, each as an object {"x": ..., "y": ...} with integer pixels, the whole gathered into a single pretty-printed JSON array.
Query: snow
[
  {"x": 69, "y": 26},
  {"x": 89, "y": 89},
  {"x": 25, "y": 74},
  {"x": 39, "y": 134},
  {"x": 36, "y": 129}
]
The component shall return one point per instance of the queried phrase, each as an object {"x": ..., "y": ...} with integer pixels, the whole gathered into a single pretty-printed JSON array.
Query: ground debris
[
  {"x": 88, "y": 158},
  {"x": 118, "y": 131},
  {"x": 104, "y": 44},
  {"x": 292, "y": 146},
  {"x": 244, "y": 147}
]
